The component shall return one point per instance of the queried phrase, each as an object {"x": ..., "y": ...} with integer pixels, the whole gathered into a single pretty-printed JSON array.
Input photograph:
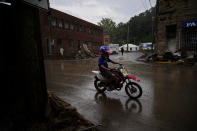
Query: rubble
[
  {"x": 84, "y": 53},
  {"x": 169, "y": 57},
  {"x": 61, "y": 116}
]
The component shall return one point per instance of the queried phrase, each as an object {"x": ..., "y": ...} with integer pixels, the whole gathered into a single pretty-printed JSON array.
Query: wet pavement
[{"x": 168, "y": 102}]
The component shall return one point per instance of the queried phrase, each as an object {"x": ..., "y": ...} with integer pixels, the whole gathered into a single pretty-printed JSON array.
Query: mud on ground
[{"x": 60, "y": 116}]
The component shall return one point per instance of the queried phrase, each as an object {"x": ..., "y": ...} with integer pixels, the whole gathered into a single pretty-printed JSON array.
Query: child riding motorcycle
[{"x": 103, "y": 65}]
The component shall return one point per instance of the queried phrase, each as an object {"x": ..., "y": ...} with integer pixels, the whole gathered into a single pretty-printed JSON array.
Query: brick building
[
  {"x": 176, "y": 25},
  {"x": 61, "y": 30}
]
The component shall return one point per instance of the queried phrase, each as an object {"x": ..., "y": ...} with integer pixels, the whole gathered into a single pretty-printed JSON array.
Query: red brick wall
[{"x": 66, "y": 34}]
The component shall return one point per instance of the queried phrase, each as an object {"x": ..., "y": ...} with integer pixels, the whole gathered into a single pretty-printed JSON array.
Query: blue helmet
[{"x": 104, "y": 48}]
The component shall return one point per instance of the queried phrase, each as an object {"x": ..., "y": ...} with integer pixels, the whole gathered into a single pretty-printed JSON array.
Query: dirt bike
[{"x": 132, "y": 89}]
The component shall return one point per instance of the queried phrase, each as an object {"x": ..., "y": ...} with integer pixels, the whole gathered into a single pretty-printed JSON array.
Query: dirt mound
[{"x": 60, "y": 116}]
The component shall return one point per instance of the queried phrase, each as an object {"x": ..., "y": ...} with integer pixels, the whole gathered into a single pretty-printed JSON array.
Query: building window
[
  {"x": 59, "y": 42},
  {"x": 70, "y": 43},
  {"x": 71, "y": 26},
  {"x": 60, "y": 23},
  {"x": 66, "y": 25},
  {"x": 79, "y": 44},
  {"x": 83, "y": 29},
  {"x": 75, "y": 27},
  {"x": 94, "y": 32},
  {"x": 80, "y": 28},
  {"x": 91, "y": 31},
  {"x": 53, "y": 21},
  {"x": 98, "y": 32},
  {"x": 87, "y": 30}
]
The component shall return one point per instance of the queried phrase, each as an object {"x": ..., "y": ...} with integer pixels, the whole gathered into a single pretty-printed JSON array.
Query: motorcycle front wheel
[
  {"x": 133, "y": 90},
  {"x": 99, "y": 86}
]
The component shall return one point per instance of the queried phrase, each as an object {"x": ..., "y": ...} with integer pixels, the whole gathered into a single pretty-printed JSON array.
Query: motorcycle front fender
[{"x": 132, "y": 77}]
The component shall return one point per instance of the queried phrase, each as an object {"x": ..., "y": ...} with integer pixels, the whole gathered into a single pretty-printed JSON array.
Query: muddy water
[{"x": 169, "y": 100}]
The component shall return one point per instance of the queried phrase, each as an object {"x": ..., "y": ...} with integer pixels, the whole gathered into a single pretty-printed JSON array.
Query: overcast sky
[{"x": 94, "y": 10}]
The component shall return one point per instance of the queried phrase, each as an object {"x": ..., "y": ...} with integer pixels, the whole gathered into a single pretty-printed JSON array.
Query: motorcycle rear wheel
[
  {"x": 98, "y": 86},
  {"x": 133, "y": 90}
]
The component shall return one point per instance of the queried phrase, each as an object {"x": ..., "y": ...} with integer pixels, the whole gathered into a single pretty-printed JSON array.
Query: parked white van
[{"x": 113, "y": 48}]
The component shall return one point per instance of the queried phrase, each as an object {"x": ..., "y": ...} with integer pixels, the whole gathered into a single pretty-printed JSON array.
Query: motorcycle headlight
[{"x": 123, "y": 71}]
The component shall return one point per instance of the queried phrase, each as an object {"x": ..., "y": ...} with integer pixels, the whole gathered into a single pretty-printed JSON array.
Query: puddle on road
[{"x": 168, "y": 101}]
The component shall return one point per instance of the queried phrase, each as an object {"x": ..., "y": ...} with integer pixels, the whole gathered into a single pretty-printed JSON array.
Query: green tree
[
  {"x": 140, "y": 28},
  {"x": 120, "y": 34},
  {"x": 109, "y": 27}
]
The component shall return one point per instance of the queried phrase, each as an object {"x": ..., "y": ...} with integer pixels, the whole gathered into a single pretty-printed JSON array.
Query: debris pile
[
  {"x": 179, "y": 57},
  {"x": 84, "y": 53},
  {"x": 61, "y": 116}
]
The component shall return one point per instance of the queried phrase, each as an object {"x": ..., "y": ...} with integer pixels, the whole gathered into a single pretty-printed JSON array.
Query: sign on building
[{"x": 187, "y": 24}]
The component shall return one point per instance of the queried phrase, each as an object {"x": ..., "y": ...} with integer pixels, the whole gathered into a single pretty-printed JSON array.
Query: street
[{"x": 168, "y": 102}]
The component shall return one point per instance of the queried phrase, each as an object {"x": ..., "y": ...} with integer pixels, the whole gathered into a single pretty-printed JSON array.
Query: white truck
[{"x": 113, "y": 48}]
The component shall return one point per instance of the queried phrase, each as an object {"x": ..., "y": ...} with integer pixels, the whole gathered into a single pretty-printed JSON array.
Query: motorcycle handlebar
[{"x": 120, "y": 66}]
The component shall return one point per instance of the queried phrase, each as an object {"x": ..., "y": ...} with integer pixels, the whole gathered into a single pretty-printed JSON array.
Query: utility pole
[{"x": 128, "y": 38}]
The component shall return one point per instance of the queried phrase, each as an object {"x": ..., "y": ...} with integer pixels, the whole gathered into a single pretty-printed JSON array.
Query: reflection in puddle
[
  {"x": 62, "y": 66},
  {"x": 131, "y": 105}
]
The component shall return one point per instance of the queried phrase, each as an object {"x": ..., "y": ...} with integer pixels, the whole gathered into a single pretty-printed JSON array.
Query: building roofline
[{"x": 77, "y": 18}]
